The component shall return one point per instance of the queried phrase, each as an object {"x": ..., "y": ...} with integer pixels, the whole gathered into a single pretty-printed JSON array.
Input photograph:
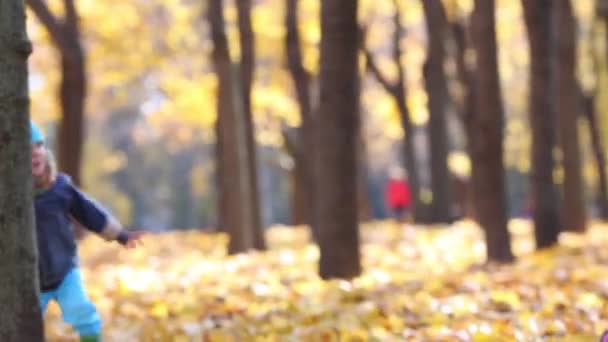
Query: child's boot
[{"x": 91, "y": 338}]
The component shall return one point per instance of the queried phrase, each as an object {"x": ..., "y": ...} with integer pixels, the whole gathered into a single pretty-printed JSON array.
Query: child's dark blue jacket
[{"x": 55, "y": 209}]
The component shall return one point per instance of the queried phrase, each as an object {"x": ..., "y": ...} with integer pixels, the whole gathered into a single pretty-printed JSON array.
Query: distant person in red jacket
[{"x": 398, "y": 195}]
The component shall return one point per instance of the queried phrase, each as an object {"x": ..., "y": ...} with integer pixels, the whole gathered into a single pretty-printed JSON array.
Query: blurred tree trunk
[
  {"x": 592, "y": 118},
  {"x": 182, "y": 163},
  {"x": 303, "y": 150},
  {"x": 235, "y": 211},
  {"x": 336, "y": 195},
  {"x": 486, "y": 146},
  {"x": 462, "y": 43},
  {"x": 598, "y": 154},
  {"x": 247, "y": 40},
  {"x": 541, "y": 107},
  {"x": 601, "y": 10},
  {"x": 398, "y": 91},
  {"x": 20, "y": 315},
  {"x": 436, "y": 88},
  {"x": 364, "y": 207},
  {"x": 65, "y": 34},
  {"x": 568, "y": 109}
]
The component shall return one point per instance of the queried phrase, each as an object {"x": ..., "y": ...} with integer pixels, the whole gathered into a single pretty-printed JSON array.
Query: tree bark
[
  {"x": 235, "y": 183},
  {"x": 592, "y": 118},
  {"x": 486, "y": 147},
  {"x": 574, "y": 216},
  {"x": 336, "y": 195},
  {"x": 304, "y": 148},
  {"x": 538, "y": 18},
  {"x": 20, "y": 314},
  {"x": 466, "y": 78},
  {"x": 247, "y": 40},
  {"x": 65, "y": 33},
  {"x": 398, "y": 91},
  {"x": 436, "y": 88}
]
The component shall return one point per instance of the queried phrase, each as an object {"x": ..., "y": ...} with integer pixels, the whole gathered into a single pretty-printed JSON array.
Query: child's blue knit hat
[{"x": 36, "y": 133}]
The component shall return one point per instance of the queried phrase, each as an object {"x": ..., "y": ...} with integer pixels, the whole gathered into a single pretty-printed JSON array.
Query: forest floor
[{"x": 419, "y": 284}]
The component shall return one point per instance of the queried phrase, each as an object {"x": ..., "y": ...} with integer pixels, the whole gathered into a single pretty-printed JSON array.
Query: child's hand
[{"x": 131, "y": 238}]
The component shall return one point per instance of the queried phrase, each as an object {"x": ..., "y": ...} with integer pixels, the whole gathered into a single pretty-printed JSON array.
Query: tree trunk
[
  {"x": 574, "y": 215},
  {"x": 436, "y": 88},
  {"x": 544, "y": 193},
  {"x": 247, "y": 39},
  {"x": 183, "y": 209},
  {"x": 298, "y": 201},
  {"x": 601, "y": 11},
  {"x": 486, "y": 147},
  {"x": 337, "y": 168},
  {"x": 592, "y": 118},
  {"x": 235, "y": 183},
  {"x": 304, "y": 148},
  {"x": 598, "y": 154},
  {"x": 364, "y": 208},
  {"x": 465, "y": 76},
  {"x": 222, "y": 185},
  {"x": 601, "y": 8},
  {"x": 20, "y": 315}
]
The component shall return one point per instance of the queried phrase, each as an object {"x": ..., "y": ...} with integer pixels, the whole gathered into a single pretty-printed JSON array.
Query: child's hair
[{"x": 50, "y": 170}]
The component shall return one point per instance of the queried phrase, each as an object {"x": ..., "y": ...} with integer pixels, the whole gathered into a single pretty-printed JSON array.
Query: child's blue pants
[{"x": 76, "y": 308}]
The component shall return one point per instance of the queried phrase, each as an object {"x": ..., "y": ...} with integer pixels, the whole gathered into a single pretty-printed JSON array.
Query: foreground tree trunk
[
  {"x": 544, "y": 196},
  {"x": 20, "y": 316},
  {"x": 398, "y": 91},
  {"x": 568, "y": 109},
  {"x": 336, "y": 195},
  {"x": 65, "y": 34},
  {"x": 235, "y": 210},
  {"x": 486, "y": 147},
  {"x": 247, "y": 39},
  {"x": 436, "y": 88},
  {"x": 303, "y": 147}
]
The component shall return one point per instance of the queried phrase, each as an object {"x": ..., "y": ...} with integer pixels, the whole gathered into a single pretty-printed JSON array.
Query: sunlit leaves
[{"x": 418, "y": 284}]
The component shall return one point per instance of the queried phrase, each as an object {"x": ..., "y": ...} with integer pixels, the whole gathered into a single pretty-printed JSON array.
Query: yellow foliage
[
  {"x": 418, "y": 284},
  {"x": 460, "y": 164},
  {"x": 139, "y": 47}
]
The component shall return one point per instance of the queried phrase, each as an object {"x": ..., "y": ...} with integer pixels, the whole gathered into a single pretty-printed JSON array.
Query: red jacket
[{"x": 398, "y": 193}]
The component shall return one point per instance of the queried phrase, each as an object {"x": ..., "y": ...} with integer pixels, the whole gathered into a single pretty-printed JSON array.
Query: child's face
[{"x": 39, "y": 159}]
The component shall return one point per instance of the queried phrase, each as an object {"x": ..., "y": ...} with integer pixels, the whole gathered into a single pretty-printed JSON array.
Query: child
[
  {"x": 58, "y": 202},
  {"x": 398, "y": 195}
]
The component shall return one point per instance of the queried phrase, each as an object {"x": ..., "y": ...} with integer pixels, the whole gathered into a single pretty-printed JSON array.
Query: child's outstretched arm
[
  {"x": 113, "y": 231},
  {"x": 95, "y": 218}
]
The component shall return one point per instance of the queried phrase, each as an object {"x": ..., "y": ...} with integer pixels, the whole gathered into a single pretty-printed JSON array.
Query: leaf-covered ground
[{"x": 419, "y": 284}]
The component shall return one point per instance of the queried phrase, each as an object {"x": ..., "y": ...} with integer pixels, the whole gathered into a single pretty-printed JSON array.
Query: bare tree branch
[
  {"x": 294, "y": 61},
  {"x": 43, "y": 13},
  {"x": 373, "y": 68},
  {"x": 397, "y": 52},
  {"x": 71, "y": 16}
]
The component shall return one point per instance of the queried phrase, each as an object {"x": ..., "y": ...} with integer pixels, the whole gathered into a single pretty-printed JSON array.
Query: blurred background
[{"x": 128, "y": 96}]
